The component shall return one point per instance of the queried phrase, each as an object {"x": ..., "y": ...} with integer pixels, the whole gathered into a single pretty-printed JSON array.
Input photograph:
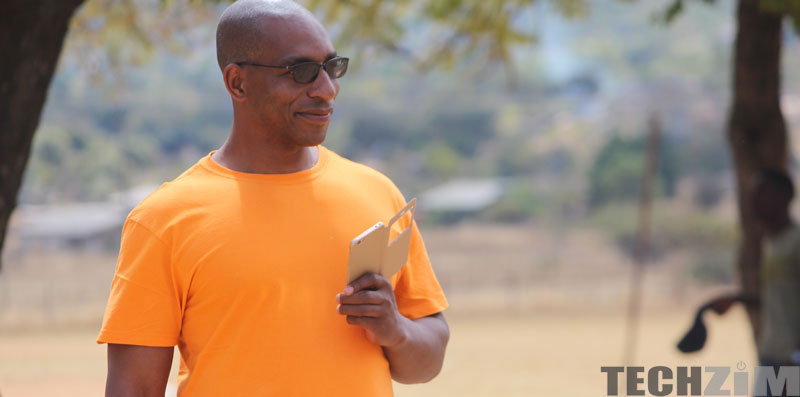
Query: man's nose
[{"x": 324, "y": 87}]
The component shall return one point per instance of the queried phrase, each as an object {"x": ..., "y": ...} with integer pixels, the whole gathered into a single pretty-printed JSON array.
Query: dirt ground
[
  {"x": 533, "y": 312},
  {"x": 534, "y": 354}
]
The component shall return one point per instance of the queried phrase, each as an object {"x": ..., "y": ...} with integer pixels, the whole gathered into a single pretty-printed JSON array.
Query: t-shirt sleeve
[
  {"x": 144, "y": 306},
  {"x": 417, "y": 291}
]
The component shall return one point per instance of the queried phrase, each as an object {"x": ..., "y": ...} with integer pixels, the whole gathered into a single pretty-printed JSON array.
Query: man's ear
[{"x": 235, "y": 82}]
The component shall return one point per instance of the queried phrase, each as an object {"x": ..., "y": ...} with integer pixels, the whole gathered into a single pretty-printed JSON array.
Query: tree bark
[
  {"x": 756, "y": 128},
  {"x": 31, "y": 37}
]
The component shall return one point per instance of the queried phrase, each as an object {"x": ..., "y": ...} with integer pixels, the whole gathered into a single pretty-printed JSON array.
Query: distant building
[
  {"x": 460, "y": 198},
  {"x": 94, "y": 225},
  {"x": 68, "y": 226}
]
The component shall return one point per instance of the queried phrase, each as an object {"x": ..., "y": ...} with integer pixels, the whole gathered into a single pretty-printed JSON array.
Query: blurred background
[{"x": 527, "y": 157}]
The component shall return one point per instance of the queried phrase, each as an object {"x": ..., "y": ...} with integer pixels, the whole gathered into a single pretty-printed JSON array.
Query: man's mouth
[{"x": 316, "y": 115}]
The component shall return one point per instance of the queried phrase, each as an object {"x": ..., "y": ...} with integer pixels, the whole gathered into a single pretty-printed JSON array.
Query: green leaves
[
  {"x": 436, "y": 33},
  {"x": 454, "y": 28},
  {"x": 673, "y": 11}
]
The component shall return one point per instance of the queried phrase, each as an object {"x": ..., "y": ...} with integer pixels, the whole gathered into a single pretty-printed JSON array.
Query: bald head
[{"x": 245, "y": 27}]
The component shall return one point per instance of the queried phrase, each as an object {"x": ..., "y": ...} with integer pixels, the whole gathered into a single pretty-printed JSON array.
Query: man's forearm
[{"x": 419, "y": 357}]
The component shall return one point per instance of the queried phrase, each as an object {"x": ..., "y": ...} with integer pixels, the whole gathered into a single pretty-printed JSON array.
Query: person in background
[{"x": 778, "y": 343}]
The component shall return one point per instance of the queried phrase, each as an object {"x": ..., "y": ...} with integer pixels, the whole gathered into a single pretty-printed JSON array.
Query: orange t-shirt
[{"x": 241, "y": 271}]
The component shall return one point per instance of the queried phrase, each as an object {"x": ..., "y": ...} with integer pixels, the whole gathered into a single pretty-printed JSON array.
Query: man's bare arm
[
  {"x": 140, "y": 371},
  {"x": 419, "y": 358},
  {"x": 722, "y": 303},
  {"x": 414, "y": 348}
]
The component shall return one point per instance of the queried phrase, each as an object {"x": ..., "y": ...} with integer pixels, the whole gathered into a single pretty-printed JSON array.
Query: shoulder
[
  {"x": 351, "y": 168},
  {"x": 171, "y": 200},
  {"x": 363, "y": 176}
]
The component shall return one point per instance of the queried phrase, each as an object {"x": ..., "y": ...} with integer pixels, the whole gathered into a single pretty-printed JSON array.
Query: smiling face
[{"x": 285, "y": 112}]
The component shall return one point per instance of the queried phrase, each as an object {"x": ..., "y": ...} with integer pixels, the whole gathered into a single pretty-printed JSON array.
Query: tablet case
[{"x": 371, "y": 250}]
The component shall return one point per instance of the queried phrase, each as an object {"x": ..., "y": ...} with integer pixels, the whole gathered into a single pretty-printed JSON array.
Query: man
[
  {"x": 778, "y": 343},
  {"x": 241, "y": 260}
]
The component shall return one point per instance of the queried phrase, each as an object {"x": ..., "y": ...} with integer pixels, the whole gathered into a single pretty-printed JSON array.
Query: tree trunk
[
  {"x": 756, "y": 128},
  {"x": 31, "y": 36}
]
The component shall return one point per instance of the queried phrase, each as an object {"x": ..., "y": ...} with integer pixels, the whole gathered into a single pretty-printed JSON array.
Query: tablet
[{"x": 371, "y": 250}]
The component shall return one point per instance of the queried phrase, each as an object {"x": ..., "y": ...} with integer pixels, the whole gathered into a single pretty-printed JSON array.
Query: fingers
[
  {"x": 365, "y": 303},
  {"x": 366, "y": 322},
  {"x": 361, "y": 310},
  {"x": 366, "y": 281},
  {"x": 368, "y": 302},
  {"x": 363, "y": 297}
]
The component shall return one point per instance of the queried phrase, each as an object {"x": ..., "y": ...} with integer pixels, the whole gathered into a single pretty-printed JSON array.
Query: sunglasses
[{"x": 307, "y": 72}]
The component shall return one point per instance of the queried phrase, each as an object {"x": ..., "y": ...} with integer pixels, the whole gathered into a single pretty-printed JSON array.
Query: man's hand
[
  {"x": 720, "y": 305},
  {"x": 414, "y": 348},
  {"x": 369, "y": 302}
]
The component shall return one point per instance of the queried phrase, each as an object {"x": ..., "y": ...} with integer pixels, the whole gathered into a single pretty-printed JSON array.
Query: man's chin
[{"x": 312, "y": 138}]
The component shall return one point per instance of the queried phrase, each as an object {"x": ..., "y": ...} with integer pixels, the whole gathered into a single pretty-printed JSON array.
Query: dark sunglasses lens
[
  {"x": 336, "y": 67},
  {"x": 305, "y": 72}
]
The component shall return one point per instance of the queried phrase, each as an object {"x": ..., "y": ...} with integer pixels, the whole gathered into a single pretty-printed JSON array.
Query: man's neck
[{"x": 263, "y": 158}]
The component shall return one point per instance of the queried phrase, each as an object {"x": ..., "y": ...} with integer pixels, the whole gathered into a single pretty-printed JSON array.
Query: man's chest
[{"x": 272, "y": 244}]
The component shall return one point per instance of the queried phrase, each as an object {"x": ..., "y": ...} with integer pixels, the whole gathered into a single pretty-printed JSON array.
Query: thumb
[{"x": 371, "y": 336}]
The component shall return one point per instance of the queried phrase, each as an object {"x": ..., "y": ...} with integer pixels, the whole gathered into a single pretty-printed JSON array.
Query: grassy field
[{"x": 533, "y": 312}]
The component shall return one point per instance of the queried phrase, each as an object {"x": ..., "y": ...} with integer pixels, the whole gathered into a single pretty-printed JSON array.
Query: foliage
[
  {"x": 111, "y": 34},
  {"x": 440, "y": 160},
  {"x": 673, "y": 227},
  {"x": 713, "y": 266},
  {"x": 522, "y": 202},
  {"x": 618, "y": 168},
  {"x": 455, "y": 29},
  {"x": 442, "y": 32},
  {"x": 422, "y": 129},
  {"x": 463, "y": 130},
  {"x": 71, "y": 162},
  {"x": 427, "y": 128}
]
